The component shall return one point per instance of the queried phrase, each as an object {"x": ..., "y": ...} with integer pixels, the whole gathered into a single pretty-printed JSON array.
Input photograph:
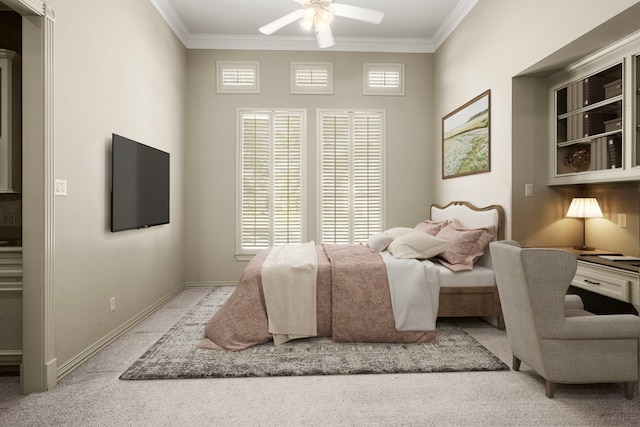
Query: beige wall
[
  {"x": 497, "y": 41},
  {"x": 211, "y": 150},
  {"x": 118, "y": 68}
]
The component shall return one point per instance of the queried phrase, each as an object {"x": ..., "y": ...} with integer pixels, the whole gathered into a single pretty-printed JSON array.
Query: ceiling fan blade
[
  {"x": 325, "y": 38},
  {"x": 371, "y": 16},
  {"x": 279, "y": 23}
]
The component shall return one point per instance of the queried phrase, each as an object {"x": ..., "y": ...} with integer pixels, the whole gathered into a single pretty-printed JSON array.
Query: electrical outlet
[
  {"x": 112, "y": 304},
  {"x": 622, "y": 220}
]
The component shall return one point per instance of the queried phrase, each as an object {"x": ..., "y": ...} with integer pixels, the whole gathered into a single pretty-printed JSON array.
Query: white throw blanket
[
  {"x": 415, "y": 293},
  {"x": 289, "y": 275}
]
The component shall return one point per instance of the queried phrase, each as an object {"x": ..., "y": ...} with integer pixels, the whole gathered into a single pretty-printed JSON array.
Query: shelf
[
  {"x": 588, "y": 139},
  {"x": 595, "y": 106},
  {"x": 599, "y": 154}
]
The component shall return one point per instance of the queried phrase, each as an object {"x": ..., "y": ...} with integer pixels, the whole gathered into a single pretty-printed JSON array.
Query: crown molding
[
  {"x": 27, "y": 7},
  {"x": 454, "y": 19},
  {"x": 343, "y": 44},
  {"x": 275, "y": 42},
  {"x": 172, "y": 19}
]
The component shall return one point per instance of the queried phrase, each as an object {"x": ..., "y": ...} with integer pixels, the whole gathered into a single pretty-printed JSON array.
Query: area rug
[{"x": 175, "y": 355}]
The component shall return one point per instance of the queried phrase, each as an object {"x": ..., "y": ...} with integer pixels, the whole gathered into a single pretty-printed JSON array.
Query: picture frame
[{"x": 466, "y": 138}]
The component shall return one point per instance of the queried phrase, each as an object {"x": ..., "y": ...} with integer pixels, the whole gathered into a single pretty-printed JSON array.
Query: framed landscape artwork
[{"x": 466, "y": 138}]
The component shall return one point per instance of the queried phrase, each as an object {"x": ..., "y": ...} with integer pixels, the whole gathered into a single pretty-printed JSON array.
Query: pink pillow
[
  {"x": 431, "y": 227},
  {"x": 465, "y": 245}
]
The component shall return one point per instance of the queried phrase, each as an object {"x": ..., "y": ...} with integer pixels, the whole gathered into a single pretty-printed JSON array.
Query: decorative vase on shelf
[{"x": 578, "y": 159}]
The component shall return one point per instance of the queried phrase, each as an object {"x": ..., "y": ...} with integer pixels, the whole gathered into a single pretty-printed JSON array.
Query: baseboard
[
  {"x": 91, "y": 351},
  {"x": 10, "y": 358},
  {"x": 210, "y": 284}
]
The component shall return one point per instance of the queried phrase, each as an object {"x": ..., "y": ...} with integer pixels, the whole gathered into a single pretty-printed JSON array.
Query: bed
[
  {"x": 353, "y": 297},
  {"x": 471, "y": 295}
]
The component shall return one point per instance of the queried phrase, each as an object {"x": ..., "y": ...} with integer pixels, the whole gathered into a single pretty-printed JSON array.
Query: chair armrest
[
  {"x": 573, "y": 302},
  {"x": 615, "y": 326}
]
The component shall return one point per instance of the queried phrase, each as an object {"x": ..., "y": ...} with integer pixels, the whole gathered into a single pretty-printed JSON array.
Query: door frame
[{"x": 38, "y": 371}]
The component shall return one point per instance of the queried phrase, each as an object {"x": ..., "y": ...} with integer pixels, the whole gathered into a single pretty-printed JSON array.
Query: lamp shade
[{"x": 584, "y": 207}]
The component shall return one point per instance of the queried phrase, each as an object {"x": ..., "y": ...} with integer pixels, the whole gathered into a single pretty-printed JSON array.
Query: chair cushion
[{"x": 572, "y": 312}]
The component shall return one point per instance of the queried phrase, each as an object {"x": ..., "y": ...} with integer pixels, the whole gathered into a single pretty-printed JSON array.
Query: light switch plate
[
  {"x": 60, "y": 187},
  {"x": 528, "y": 190}
]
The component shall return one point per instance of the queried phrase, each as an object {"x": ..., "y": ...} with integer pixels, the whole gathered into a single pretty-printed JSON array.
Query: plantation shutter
[
  {"x": 287, "y": 190},
  {"x": 351, "y": 195},
  {"x": 367, "y": 176},
  {"x": 384, "y": 79},
  {"x": 335, "y": 193},
  {"x": 238, "y": 77},
  {"x": 312, "y": 77},
  {"x": 271, "y": 173}
]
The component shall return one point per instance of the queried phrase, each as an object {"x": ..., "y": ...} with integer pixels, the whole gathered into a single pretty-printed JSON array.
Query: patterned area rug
[{"x": 175, "y": 354}]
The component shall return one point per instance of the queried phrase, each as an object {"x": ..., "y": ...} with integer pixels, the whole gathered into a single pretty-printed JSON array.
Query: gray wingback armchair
[{"x": 563, "y": 345}]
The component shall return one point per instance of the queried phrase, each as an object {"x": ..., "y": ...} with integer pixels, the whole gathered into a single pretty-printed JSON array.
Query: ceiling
[{"x": 408, "y": 25}]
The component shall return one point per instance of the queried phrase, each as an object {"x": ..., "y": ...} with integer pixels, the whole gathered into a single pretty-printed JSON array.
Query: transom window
[
  {"x": 238, "y": 77},
  {"x": 383, "y": 79},
  {"x": 312, "y": 78}
]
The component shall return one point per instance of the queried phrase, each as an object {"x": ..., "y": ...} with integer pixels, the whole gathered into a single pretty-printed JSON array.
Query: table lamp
[{"x": 584, "y": 207}]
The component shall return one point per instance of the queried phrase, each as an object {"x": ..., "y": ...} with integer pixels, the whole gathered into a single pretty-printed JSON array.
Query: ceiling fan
[{"x": 318, "y": 15}]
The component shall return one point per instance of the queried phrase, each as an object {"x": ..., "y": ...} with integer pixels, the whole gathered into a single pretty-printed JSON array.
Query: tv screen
[{"x": 139, "y": 185}]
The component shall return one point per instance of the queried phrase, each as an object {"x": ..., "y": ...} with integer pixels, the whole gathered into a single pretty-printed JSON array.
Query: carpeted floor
[
  {"x": 92, "y": 395},
  {"x": 175, "y": 355}
]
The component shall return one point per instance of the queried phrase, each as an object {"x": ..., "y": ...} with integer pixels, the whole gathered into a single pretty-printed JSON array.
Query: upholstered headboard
[{"x": 471, "y": 216}]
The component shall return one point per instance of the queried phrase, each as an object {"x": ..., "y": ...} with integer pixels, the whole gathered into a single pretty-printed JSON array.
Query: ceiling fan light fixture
[
  {"x": 321, "y": 26},
  {"x": 319, "y": 14},
  {"x": 325, "y": 16},
  {"x": 308, "y": 14},
  {"x": 306, "y": 24}
]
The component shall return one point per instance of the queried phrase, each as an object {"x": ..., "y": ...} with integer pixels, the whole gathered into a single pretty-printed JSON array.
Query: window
[
  {"x": 271, "y": 158},
  {"x": 312, "y": 78},
  {"x": 238, "y": 77},
  {"x": 351, "y": 157},
  {"x": 384, "y": 79}
]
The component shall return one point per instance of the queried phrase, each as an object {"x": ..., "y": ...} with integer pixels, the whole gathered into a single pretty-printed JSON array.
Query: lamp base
[{"x": 584, "y": 248}]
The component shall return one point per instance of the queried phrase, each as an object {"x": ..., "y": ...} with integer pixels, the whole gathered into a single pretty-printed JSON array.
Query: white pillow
[
  {"x": 379, "y": 242},
  {"x": 417, "y": 244},
  {"x": 396, "y": 232}
]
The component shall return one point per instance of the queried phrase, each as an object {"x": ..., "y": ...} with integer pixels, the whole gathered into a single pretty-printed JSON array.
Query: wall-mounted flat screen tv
[{"x": 139, "y": 185}]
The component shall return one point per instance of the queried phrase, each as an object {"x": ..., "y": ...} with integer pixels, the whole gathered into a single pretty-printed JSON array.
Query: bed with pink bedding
[{"x": 354, "y": 302}]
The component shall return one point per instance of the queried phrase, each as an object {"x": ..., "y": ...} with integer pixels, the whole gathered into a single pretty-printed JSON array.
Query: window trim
[
  {"x": 249, "y": 89},
  {"x": 311, "y": 90},
  {"x": 246, "y": 254},
  {"x": 383, "y": 167},
  {"x": 385, "y": 91}
]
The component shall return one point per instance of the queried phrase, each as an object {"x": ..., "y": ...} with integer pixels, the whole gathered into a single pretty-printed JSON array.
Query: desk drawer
[{"x": 602, "y": 280}]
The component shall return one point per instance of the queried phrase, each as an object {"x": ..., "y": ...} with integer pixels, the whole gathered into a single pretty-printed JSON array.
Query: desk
[{"x": 619, "y": 280}]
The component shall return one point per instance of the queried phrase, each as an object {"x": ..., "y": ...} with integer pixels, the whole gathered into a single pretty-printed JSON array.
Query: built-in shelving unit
[
  {"x": 589, "y": 122},
  {"x": 595, "y": 124}
]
